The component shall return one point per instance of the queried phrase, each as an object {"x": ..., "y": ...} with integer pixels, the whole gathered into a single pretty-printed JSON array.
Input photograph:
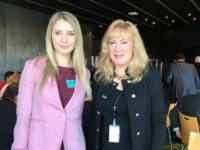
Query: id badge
[{"x": 114, "y": 133}]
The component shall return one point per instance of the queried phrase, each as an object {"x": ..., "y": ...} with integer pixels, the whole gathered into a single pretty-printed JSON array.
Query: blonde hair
[
  {"x": 139, "y": 62},
  {"x": 77, "y": 55}
]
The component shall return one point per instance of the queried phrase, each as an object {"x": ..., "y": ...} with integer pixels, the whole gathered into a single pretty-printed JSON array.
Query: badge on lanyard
[
  {"x": 70, "y": 83},
  {"x": 114, "y": 132}
]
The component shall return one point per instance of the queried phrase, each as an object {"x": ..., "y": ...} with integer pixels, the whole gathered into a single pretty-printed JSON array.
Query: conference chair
[
  {"x": 187, "y": 124},
  {"x": 194, "y": 141},
  {"x": 168, "y": 123}
]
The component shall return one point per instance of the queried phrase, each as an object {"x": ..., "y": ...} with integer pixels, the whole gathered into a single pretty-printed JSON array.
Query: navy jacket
[
  {"x": 183, "y": 79},
  {"x": 146, "y": 111}
]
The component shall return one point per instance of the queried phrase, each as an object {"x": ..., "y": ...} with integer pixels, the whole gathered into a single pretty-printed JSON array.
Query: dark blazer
[
  {"x": 183, "y": 79},
  {"x": 7, "y": 123},
  {"x": 146, "y": 111},
  {"x": 86, "y": 117},
  {"x": 188, "y": 105}
]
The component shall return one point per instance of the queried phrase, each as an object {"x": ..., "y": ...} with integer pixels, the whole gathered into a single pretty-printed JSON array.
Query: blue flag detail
[{"x": 70, "y": 83}]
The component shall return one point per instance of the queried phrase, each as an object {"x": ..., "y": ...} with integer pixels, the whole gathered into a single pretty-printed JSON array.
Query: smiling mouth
[
  {"x": 64, "y": 47},
  {"x": 119, "y": 56}
]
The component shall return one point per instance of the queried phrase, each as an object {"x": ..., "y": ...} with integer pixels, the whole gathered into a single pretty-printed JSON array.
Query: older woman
[{"x": 128, "y": 100}]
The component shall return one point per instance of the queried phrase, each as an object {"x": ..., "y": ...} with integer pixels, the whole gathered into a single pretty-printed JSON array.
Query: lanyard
[{"x": 114, "y": 106}]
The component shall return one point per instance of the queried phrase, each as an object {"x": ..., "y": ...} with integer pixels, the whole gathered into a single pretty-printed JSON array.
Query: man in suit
[
  {"x": 182, "y": 78},
  {"x": 188, "y": 105}
]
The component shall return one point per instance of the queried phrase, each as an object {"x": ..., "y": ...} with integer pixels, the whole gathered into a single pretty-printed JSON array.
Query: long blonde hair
[
  {"x": 77, "y": 55},
  {"x": 138, "y": 64}
]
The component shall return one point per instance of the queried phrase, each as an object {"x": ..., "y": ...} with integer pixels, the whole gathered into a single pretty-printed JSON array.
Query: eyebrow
[{"x": 61, "y": 30}]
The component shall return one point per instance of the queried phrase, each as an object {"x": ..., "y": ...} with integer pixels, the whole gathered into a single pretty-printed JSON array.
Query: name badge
[
  {"x": 114, "y": 133},
  {"x": 70, "y": 83}
]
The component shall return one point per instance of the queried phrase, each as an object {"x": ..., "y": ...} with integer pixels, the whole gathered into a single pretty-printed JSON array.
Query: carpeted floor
[
  {"x": 176, "y": 146},
  {"x": 176, "y": 143}
]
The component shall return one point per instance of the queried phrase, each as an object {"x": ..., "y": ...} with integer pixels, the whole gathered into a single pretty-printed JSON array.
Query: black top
[{"x": 122, "y": 119}]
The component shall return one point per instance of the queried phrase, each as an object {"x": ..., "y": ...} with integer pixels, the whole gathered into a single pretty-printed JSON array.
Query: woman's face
[
  {"x": 63, "y": 38},
  {"x": 120, "y": 49}
]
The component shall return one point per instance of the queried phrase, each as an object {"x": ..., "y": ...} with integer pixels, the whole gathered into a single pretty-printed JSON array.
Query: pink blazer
[{"x": 42, "y": 123}]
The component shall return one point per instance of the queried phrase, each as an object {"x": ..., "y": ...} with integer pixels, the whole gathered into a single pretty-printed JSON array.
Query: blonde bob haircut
[
  {"x": 77, "y": 55},
  {"x": 139, "y": 62}
]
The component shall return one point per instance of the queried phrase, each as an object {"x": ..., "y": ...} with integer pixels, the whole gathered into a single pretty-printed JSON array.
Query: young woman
[{"x": 52, "y": 91}]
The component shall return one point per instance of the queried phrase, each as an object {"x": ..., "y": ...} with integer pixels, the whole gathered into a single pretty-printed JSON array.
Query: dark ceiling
[{"x": 152, "y": 14}]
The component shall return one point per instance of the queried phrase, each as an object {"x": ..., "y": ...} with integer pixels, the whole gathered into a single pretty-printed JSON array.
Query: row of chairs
[
  {"x": 188, "y": 124},
  {"x": 194, "y": 141},
  {"x": 190, "y": 135}
]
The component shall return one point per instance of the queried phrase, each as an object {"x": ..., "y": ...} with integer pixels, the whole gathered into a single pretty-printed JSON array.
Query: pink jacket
[{"x": 42, "y": 123}]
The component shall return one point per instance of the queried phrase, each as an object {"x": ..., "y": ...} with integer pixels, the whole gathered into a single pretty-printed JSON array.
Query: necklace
[{"x": 121, "y": 77}]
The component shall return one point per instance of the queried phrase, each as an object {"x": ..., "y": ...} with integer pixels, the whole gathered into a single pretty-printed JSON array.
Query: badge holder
[{"x": 114, "y": 132}]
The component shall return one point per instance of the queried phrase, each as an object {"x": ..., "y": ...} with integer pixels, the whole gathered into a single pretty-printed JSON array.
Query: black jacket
[
  {"x": 146, "y": 111},
  {"x": 7, "y": 123},
  {"x": 188, "y": 105}
]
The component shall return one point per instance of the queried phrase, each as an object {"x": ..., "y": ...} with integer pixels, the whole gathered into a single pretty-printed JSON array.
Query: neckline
[{"x": 65, "y": 67}]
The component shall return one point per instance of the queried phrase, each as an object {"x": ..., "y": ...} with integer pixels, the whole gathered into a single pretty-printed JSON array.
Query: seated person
[
  {"x": 15, "y": 77},
  {"x": 188, "y": 105},
  {"x": 8, "y": 116},
  {"x": 6, "y": 76}
]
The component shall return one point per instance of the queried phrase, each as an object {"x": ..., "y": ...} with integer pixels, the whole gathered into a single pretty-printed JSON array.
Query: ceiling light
[
  {"x": 194, "y": 18},
  {"x": 133, "y": 13},
  {"x": 166, "y": 17},
  {"x": 173, "y": 20},
  {"x": 189, "y": 14},
  {"x": 153, "y": 22},
  {"x": 146, "y": 19},
  {"x": 100, "y": 26}
]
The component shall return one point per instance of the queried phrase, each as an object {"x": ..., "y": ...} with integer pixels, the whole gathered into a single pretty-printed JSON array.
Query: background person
[
  {"x": 182, "y": 78},
  {"x": 8, "y": 116},
  {"x": 15, "y": 77},
  {"x": 6, "y": 76},
  {"x": 188, "y": 105}
]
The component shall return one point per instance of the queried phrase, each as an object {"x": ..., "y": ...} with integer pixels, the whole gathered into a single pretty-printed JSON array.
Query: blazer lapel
[{"x": 53, "y": 90}]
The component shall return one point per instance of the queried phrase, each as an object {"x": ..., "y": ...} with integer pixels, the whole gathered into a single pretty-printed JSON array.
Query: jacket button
[
  {"x": 137, "y": 114},
  {"x": 98, "y": 113},
  {"x": 104, "y": 96},
  {"x": 133, "y": 96},
  {"x": 138, "y": 133},
  {"x": 63, "y": 115}
]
